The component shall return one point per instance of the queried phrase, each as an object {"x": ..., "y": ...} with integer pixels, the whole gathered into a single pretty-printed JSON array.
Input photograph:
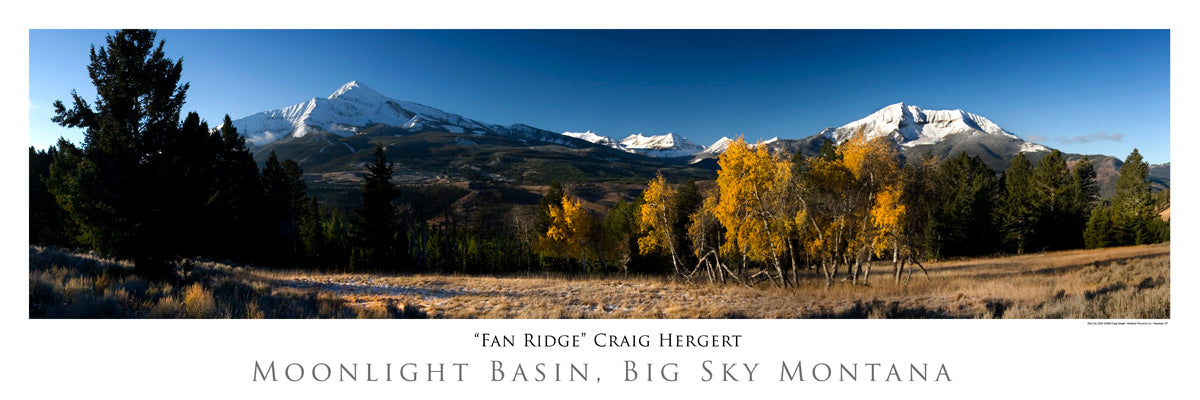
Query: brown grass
[
  {"x": 64, "y": 284},
  {"x": 1129, "y": 282}
]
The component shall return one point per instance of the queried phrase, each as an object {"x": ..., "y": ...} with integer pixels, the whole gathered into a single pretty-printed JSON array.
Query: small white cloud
[
  {"x": 1099, "y": 136},
  {"x": 1035, "y": 138}
]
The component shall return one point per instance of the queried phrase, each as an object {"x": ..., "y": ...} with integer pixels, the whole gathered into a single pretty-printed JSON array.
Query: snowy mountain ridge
[
  {"x": 597, "y": 139},
  {"x": 668, "y": 145},
  {"x": 911, "y": 126},
  {"x": 355, "y": 106},
  {"x": 908, "y": 125}
]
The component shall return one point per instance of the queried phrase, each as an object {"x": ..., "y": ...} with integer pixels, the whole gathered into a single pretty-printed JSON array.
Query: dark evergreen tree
[
  {"x": 284, "y": 197},
  {"x": 1084, "y": 184},
  {"x": 127, "y": 131},
  {"x": 620, "y": 233},
  {"x": 1133, "y": 205},
  {"x": 64, "y": 185},
  {"x": 47, "y": 220},
  {"x": 687, "y": 200},
  {"x": 312, "y": 234},
  {"x": 1085, "y": 193},
  {"x": 1157, "y": 230},
  {"x": 964, "y": 223},
  {"x": 1019, "y": 210},
  {"x": 828, "y": 150},
  {"x": 920, "y": 199},
  {"x": 238, "y": 196},
  {"x": 553, "y": 196},
  {"x": 378, "y": 232},
  {"x": 1100, "y": 230},
  {"x": 328, "y": 236},
  {"x": 187, "y": 180},
  {"x": 1056, "y": 226}
]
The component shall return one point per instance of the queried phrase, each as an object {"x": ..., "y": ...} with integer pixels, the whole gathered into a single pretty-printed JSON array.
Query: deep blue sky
[{"x": 1072, "y": 90}]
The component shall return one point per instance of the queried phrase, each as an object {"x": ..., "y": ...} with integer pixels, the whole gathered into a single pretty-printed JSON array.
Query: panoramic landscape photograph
[{"x": 599, "y": 174}]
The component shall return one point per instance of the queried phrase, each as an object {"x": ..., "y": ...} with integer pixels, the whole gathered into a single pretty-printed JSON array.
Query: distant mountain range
[{"x": 335, "y": 133}]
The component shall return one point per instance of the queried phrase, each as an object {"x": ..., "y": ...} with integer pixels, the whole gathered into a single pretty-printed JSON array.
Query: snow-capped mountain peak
[
  {"x": 639, "y": 141},
  {"x": 588, "y": 136},
  {"x": 597, "y": 139},
  {"x": 354, "y": 106},
  {"x": 718, "y": 146},
  {"x": 910, "y": 125},
  {"x": 358, "y": 92},
  {"x": 721, "y": 145},
  {"x": 668, "y": 145}
]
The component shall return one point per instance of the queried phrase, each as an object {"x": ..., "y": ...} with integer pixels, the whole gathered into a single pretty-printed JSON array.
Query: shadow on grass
[{"x": 883, "y": 309}]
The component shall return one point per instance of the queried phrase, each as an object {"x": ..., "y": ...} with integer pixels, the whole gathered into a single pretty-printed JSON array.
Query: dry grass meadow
[{"x": 1121, "y": 283}]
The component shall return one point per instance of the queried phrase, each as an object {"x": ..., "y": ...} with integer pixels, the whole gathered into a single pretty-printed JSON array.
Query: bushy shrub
[{"x": 198, "y": 302}]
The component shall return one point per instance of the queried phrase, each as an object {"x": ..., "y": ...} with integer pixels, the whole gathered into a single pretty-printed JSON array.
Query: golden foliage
[
  {"x": 654, "y": 219},
  {"x": 887, "y": 216},
  {"x": 869, "y": 160},
  {"x": 570, "y": 223},
  {"x": 751, "y": 185}
]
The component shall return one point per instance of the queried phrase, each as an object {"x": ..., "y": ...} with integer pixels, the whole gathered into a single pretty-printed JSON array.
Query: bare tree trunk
[
  {"x": 856, "y": 268},
  {"x": 867, "y": 259},
  {"x": 795, "y": 274},
  {"x": 778, "y": 268},
  {"x": 909, "y": 277},
  {"x": 899, "y": 261},
  {"x": 914, "y": 260},
  {"x": 830, "y": 271},
  {"x": 849, "y": 268},
  {"x": 867, "y": 271},
  {"x": 721, "y": 268},
  {"x": 708, "y": 270},
  {"x": 674, "y": 263}
]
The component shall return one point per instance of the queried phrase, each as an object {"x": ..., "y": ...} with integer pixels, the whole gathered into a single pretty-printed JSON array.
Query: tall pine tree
[
  {"x": 378, "y": 233},
  {"x": 127, "y": 131},
  {"x": 1133, "y": 206},
  {"x": 1019, "y": 208},
  {"x": 1085, "y": 192},
  {"x": 1056, "y": 227},
  {"x": 283, "y": 192},
  {"x": 238, "y": 196}
]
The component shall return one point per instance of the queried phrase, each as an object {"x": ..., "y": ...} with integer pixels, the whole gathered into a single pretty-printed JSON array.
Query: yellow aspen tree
[
  {"x": 750, "y": 186},
  {"x": 570, "y": 225},
  {"x": 654, "y": 218},
  {"x": 887, "y": 219},
  {"x": 825, "y": 217},
  {"x": 874, "y": 165},
  {"x": 704, "y": 232}
]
